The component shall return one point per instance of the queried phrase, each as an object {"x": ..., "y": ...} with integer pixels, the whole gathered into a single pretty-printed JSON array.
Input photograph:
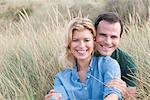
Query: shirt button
[
  {"x": 91, "y": 69},
  {"x": 85, "y": 88},
  {"x": 88, "y": 76},
  {"x": 76, "y": 80}
]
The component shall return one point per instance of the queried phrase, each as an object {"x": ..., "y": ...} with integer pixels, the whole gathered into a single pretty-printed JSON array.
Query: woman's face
[{"x": 82, "y": 44}]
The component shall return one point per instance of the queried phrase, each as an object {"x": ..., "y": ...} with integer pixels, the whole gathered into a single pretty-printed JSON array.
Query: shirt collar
[{"x": 75, "y": 75}]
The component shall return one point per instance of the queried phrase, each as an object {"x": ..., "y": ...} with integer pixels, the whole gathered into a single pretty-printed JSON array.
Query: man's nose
[{"x": 108, "y": 40}]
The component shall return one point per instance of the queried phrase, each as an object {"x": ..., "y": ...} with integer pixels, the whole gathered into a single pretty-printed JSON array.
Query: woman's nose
[{"x": 82, "y": 44}]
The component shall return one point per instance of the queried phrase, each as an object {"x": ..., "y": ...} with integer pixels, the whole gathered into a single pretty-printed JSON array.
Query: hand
[
  {"x": 54, "y": 95},
  {"x": 119, "y": 84}
]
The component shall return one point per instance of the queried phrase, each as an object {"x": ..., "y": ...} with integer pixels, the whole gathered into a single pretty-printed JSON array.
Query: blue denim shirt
[{"x": 101, "y": 70}]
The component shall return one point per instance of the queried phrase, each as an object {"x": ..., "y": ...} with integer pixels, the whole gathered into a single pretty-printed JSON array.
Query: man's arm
[
  {"x": 111, "y": 97},
  {"x": 131, "y": 93}
]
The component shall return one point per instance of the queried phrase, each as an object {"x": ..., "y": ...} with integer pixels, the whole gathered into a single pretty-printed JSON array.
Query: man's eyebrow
[{"x": 101, "y": 33}]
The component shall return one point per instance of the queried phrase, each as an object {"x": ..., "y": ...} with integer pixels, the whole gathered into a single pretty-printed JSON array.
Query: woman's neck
[
  {"x": 83, "y": 68},
  {"x": 83, "y": 64}
]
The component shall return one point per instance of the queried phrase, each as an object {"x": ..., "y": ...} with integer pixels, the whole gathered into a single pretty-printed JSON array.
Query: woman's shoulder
[
  {"x": 109, "y": 64},
  {"x": 105, "y": 58},
  {"x": 65, "y": 72}
]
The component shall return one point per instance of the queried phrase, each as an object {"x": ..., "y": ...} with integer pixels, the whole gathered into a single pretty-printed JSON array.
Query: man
[{"x": 109, "y": 30}]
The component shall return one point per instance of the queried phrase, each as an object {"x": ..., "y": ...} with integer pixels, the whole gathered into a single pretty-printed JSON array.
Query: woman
[{"x": 88, "y": 76}]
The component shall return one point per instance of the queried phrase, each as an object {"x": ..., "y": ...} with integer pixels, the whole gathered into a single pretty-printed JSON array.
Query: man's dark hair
[{"x": 109, "y": 17}]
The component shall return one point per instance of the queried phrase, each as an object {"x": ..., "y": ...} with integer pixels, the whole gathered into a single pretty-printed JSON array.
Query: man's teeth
[{"x": 105, "y": 46}]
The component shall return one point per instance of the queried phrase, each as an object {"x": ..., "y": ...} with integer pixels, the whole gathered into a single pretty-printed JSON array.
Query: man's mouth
[{"x": 105, "y": 47}]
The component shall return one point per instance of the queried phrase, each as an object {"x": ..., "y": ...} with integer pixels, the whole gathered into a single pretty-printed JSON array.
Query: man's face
[{"x": 107, "y": 37}]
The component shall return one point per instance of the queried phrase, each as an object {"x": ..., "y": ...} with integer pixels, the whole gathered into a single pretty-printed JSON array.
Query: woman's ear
[
  {"x": 68, "y": 47},
  {"x": 94, "y": 45},
  {"x": 94, "y": 38}
]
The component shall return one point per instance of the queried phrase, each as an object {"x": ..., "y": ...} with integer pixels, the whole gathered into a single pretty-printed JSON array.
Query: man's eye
[
  {"x": 102, "y": 34},
  {"x": 114, "y": 37}
]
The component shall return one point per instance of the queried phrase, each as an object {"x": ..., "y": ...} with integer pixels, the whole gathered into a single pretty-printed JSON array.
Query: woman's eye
[
  {"x": 86, "y": 40},
  {"x": 75, "y": 40}
]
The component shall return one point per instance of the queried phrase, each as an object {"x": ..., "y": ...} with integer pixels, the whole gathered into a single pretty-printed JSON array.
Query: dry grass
[{"x": 136, "y": 42}]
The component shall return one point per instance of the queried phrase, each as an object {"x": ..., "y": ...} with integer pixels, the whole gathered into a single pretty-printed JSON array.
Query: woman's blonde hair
[{"x": 80, "y": 24}]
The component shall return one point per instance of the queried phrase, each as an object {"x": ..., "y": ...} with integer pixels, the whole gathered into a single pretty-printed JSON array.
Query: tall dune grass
[
  {"x": 29, "y": 57},
  {"x": 136, "y": 42},
  {"x": 31, "y": 47}
]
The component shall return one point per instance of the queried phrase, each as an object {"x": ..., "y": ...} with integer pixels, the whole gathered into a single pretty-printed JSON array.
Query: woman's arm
[{"x": 111, "y": 69}]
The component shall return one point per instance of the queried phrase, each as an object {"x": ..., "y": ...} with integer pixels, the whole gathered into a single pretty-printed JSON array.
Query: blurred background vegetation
[{"x": 32, "y": 36}]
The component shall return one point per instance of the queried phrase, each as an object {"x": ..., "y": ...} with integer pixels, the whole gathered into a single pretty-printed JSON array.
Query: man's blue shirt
[{"x": 101, "y": 70}]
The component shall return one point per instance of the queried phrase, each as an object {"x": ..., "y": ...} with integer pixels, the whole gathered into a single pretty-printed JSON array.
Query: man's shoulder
[
  {"x": 127, "y": 65},
  {"x": 106, "y": 61},
  {"x": 103, "y": 58},
  {"x": 123, "y": 58},
  {"x": 120, "y": 54}
]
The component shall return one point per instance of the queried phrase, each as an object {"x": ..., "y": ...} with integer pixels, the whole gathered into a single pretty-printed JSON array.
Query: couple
[{"x": 92, "y": 74}]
